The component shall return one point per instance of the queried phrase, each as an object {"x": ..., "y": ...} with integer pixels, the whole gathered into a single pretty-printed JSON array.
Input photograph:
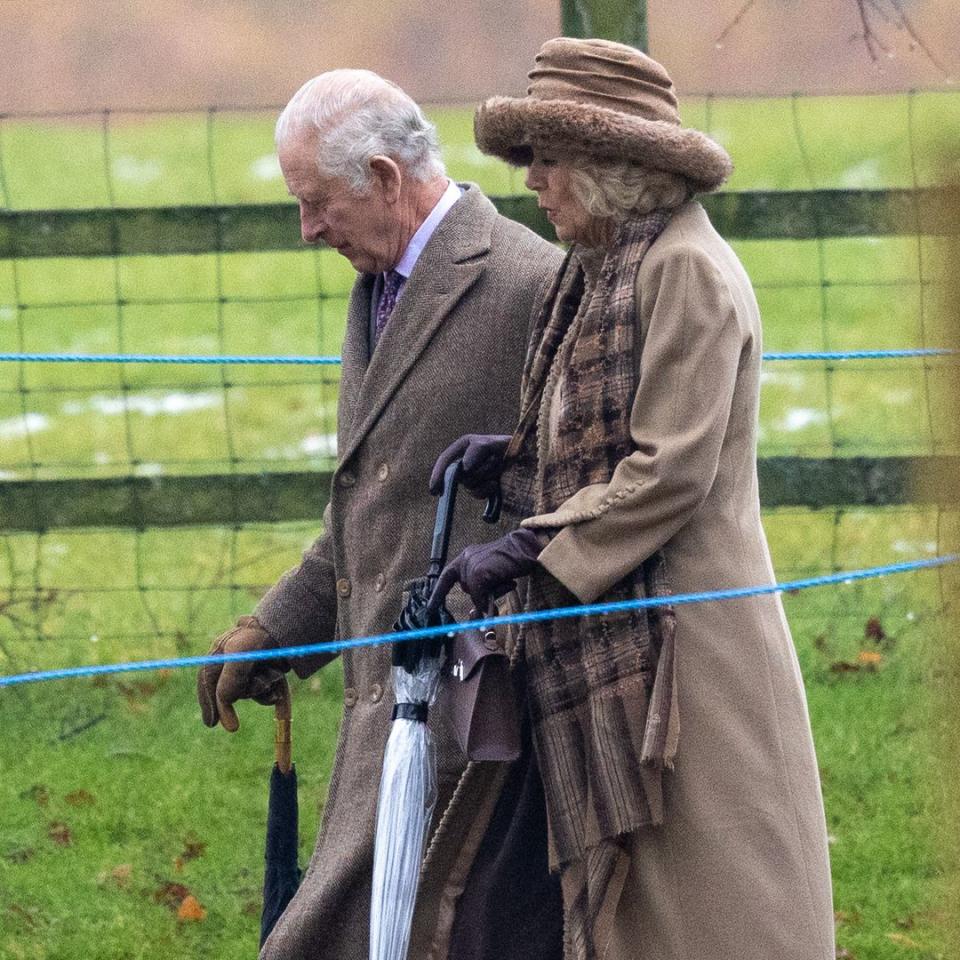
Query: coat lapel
[
  {"x": 450, "y": 264},
  {"x": 356, "y": 355}
]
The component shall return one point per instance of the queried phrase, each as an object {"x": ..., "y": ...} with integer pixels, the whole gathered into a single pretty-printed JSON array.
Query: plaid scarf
[{"x": 601, "y": 689}]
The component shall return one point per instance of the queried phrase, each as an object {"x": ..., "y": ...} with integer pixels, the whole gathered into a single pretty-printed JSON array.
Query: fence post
[{"x": 623, "y": 20}]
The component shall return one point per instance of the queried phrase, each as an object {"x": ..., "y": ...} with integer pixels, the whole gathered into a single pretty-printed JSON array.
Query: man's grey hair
[
  {"x": 357, "y": 115},
  {"x": 621, "y": 188}
]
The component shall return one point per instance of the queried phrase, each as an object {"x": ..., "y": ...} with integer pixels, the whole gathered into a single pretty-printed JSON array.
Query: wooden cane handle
[{"x": 282, "y": 741}]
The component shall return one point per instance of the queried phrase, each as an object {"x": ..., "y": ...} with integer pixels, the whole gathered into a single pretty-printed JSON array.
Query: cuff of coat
[
  {"x": 288, "y": 613},
  {"x": 585, "y": 580}
]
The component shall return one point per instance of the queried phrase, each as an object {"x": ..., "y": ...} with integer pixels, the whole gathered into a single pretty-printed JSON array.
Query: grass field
[{"x": 115, "y": 802}]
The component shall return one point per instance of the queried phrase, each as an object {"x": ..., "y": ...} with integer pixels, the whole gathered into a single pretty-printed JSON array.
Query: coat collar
[{"x": 450, "y": 264}]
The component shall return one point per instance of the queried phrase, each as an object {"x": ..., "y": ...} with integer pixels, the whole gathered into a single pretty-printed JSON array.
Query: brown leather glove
[{"x": 220, "y": 685}]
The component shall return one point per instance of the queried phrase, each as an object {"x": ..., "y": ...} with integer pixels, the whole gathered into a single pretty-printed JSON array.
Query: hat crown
[{"x": 603, "y": 73}]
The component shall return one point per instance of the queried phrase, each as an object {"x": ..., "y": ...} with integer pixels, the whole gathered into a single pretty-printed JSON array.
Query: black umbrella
[{"x": 281, "y": 875}]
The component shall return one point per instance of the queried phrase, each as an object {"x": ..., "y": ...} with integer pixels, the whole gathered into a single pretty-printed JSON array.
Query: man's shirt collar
[{"x": 425, "y": 231}]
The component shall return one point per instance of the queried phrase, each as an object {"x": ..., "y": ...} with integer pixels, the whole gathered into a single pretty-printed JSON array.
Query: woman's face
[{"x": 550, "y": 177}]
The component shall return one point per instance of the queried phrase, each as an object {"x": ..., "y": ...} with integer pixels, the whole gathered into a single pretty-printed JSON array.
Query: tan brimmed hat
[{"x": 604, "y": 100}]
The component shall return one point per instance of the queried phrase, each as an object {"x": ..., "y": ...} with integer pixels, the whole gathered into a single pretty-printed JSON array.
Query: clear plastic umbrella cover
[
  {"x": 408, "y": 784},
  {"x": 408, "y": 794}
]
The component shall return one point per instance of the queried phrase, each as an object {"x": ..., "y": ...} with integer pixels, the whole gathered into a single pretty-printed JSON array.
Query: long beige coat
[
  {"x": 739, "y": 870},
  {"x": 448, "y": 363}
]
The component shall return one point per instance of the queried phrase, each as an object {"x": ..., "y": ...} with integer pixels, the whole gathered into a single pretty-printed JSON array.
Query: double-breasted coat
[
  {"x": 448, "y": 362},
  {"x": 739, "y": 868}
]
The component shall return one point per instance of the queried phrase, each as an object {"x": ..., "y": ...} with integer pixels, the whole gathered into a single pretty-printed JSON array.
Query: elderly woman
[{"x": 682, "y": 792}]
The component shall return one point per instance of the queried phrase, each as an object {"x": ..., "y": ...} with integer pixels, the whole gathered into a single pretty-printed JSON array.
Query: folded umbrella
[
  {"x": 408, "y": 784},
  {"x": 281, "y": 875}
]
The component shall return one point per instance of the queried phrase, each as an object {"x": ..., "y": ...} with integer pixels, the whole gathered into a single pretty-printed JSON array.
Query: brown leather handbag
[
  {"x": 478, "y": 699},
  {"x": 477, "y": 694}
]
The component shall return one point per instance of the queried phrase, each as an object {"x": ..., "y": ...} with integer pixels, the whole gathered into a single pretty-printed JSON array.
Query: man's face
[{"x": 360, "y": 226}]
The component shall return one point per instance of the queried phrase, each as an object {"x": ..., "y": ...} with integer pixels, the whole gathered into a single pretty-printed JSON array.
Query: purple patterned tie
[{"x": 392, "y": 285}]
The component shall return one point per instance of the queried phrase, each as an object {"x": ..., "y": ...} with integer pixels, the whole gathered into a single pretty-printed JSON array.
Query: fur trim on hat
[{"x": 512, "y": 128}]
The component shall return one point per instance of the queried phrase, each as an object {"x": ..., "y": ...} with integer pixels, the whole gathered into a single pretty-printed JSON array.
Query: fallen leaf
[
  {"x": 820, "y": 641},
  {"x": 903, "y": 940},
  {"x": 119, "y": 875},
  {"x": 190, "y": 909},
  {"x": 905, "y": 923},
  {"x": 251, "y": 908},
  {"x": 852, "y": 917},
  {"x": 144, "y": 689},
  {"x": 171, "y": 894},
  {"x": 844, "y": 954},
  {"x": 21, "y": 855},
  {"x": 38, "y": 793},
  {"x": 874, "y": 630},
  {"x": 59, "y": 833},
  {"x": 27, "y": 915},
  {"x": 80, "y": 798},
  {"x": 844, "y": 666},
  {"x": 192, "y": 849},
  {"x": 869, "y": 659}
]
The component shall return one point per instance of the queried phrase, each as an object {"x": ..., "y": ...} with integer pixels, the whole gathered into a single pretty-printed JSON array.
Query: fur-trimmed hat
[{"x": 604, "y": 100}]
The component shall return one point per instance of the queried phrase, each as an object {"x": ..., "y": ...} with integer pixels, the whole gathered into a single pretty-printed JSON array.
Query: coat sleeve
[
  {"x": 301, "y": 607},
  {"x": 691, "y": 347}
]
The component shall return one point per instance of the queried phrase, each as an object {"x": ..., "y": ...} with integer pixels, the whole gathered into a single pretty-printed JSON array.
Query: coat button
[
  {"x": 490, "y": 640},
  {"x": 343, "y": 587},
  {"x": 346, "y": 478},
  {"x": 376, "y": 693},
  {"x": 349, "y": 696},
  {"x": 383, "y": 472},
  {"x": 379, "y": 582}
]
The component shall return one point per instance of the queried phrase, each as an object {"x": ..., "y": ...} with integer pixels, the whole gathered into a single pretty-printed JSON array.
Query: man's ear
[{"x": 388, "y": 175}]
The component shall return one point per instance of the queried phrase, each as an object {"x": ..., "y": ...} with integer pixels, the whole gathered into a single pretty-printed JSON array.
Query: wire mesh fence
[{"x": 171, "y": 233}]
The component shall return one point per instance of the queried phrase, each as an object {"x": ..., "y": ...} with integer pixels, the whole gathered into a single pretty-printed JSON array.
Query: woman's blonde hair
[{"x": 620, "y": 188}]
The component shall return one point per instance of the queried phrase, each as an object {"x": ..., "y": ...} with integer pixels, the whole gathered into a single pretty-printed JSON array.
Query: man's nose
[
  {"x": 532, "y": 179},
  {"x": 312, "y": 225}
]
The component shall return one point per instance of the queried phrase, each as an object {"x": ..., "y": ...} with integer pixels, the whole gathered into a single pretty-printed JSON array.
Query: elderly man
[{"x": 435, "y": 341}]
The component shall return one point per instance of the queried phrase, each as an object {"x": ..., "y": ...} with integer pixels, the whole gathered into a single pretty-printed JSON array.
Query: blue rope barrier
[
  {"x": 155, "y": 358},
  {"x": 592, "y": 609},
  {"x": 861, "y": 354},
  {"x": 333, "y": 360}
]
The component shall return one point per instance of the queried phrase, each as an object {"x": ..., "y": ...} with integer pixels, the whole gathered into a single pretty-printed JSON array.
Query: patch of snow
[
  {"x": 266, "y": 167},
  {"x": 860, "y": 175},
  {"x": 169, "y": 404},
  {"x": 799, "y": 417},
  {"x": 783, "y": 378},
  {"x": 133, "y": 170},
  {"x": 320, "y": 443},
  {"x": 24, "y": 425}
]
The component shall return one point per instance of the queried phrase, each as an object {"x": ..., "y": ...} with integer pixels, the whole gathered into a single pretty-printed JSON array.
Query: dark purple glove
[
  {"x": 482, "y": 456},
  {"x": 488, "y": 570}
]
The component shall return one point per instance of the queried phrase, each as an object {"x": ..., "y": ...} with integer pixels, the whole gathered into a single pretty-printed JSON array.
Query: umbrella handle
[{"x": 282, "y": 740}]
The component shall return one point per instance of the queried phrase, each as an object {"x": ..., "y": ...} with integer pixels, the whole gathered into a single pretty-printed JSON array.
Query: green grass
[
  {"x": 154, "y": 782},
  {"x": 126, "y": 765}
]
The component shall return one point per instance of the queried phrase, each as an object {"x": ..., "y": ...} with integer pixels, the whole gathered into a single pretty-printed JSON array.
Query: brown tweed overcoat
[
  {"x": 448, "y": 363},
  {"x": 739, "y": 869}
]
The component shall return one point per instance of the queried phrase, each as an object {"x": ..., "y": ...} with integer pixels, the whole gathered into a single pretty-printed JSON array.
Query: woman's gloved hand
[
  {"x": 488, "y": 570},
  {"x": 220, "y": 685},
  {"x": 482, "y": 456}
]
